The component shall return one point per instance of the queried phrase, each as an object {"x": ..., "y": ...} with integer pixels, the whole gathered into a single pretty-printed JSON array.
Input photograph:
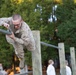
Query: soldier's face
[{"x": 17, "y": 23}]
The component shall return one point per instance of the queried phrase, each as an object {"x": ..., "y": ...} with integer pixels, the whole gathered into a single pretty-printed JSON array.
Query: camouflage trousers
[{"x": 18, "y": 50}]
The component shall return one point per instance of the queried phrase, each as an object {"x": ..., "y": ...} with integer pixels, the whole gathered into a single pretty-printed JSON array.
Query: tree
[
  {"x": 36, "y": 14},
  {"x": 66, "y": 28}
]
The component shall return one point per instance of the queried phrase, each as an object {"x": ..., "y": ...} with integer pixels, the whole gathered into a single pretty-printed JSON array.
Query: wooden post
[
  {"x": 72, "y": 53},
  {"x": 36, "y": 55},
  {"x": 62, "y": 58}
]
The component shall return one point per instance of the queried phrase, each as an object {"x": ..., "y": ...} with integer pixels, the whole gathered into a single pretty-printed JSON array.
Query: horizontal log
[{"x": 8, "y": 32}]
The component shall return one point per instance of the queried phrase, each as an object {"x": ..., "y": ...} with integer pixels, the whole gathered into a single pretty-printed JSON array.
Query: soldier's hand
[
  {"x": 6, "y": 25},
  {"x": 11, "y": 36}
]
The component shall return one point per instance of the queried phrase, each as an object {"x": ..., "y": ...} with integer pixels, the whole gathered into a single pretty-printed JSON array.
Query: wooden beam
[
  {"x": 73, "y": 63},
  {"x": 62, "y": 59},
  {"x": 36, "y": 55}
]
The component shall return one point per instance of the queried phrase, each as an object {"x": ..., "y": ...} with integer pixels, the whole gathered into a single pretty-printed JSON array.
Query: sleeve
[
  {"x": 54, "y": 71},
  {"x": 49, "y": 70},
  {"x": 68, "y": 70},
  {"x": 4, "y": 20},
  {"x": 25, "y": 38}
]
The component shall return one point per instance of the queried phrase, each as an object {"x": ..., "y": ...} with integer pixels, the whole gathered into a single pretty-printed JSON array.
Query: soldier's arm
[{"x": 25, "y": 39}]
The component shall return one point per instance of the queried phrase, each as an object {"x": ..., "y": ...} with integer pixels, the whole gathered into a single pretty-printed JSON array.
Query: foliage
[
  {"x": 66, "y": 28},
  {"x": 37, "y": 20},
  {"x": 36, "y": 14}
]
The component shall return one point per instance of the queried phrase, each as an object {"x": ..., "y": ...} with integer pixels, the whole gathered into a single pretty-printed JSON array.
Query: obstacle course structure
[{"x": 36, "y": 56}]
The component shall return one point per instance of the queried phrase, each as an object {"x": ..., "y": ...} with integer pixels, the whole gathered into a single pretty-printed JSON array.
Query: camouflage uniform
[{"x": 23, "y": 38}]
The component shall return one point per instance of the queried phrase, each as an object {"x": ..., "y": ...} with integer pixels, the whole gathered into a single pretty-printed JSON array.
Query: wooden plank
[
  {"x": 36, "y": 55},
  {"x": 62, "y": 58},
  {"x": 72, "y": 53}
]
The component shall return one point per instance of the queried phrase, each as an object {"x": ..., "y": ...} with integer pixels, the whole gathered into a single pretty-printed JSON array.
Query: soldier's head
[
  {"x": 51, "y": 62},
  {"x": 16, "y": 20},
  {"x": 66, "y": 62}
]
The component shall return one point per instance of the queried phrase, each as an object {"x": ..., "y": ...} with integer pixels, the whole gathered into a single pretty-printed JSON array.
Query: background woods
[{"x": 60, "y": 28}]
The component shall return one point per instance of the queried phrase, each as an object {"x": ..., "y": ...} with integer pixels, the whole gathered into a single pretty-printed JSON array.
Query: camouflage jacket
[{"x": 23, "y": 35}]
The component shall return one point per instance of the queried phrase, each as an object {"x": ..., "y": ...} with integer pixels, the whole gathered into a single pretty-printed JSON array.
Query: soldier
[
  {"x": 50, "y": 68},
  {"x": 20, "y": 38},
  {"x": 68, "y": 69}
]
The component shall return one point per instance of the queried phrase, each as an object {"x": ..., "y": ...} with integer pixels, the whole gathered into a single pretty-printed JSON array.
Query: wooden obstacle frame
[{"x": 36, "y": 56}]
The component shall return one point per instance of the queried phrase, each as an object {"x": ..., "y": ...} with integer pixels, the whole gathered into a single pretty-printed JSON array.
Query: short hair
[
  {"x": 50, "y": 61},
  {"x": 16, "y": 17},
  {"x": 66, "y": 62}
]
